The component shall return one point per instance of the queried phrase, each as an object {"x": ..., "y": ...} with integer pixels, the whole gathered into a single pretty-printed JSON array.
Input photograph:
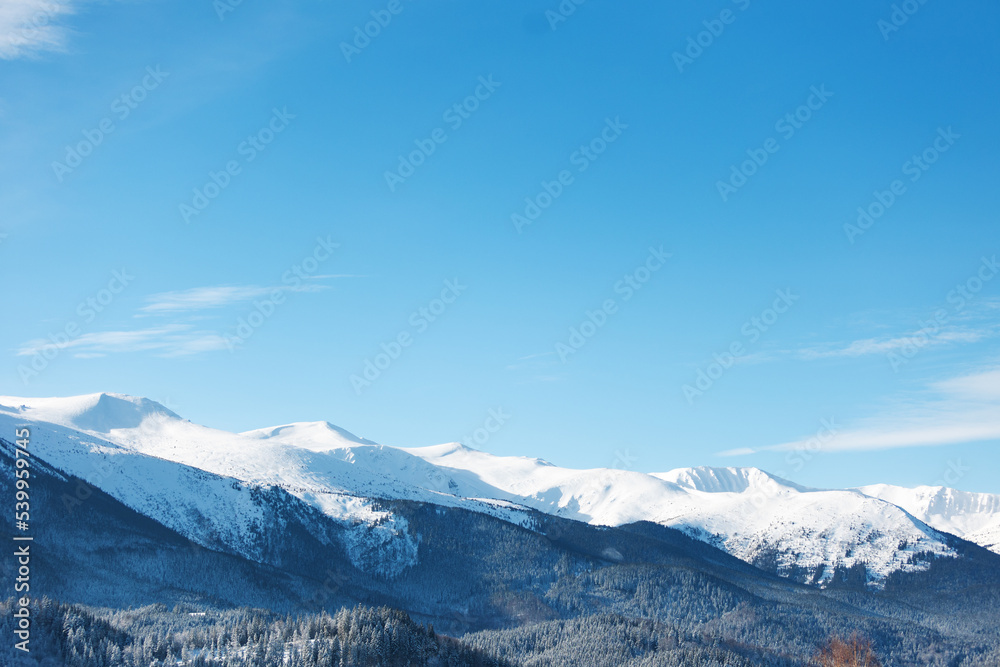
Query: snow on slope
[
  {"x": 315, "y": 436},
  {"x": 760, "y": 518},
  {"x": 182, "y": 498},
  {"x": 753, "y": 515},
  {"x": 972, "y": 516},
  {"x": 736, "y": 480},
  {"x": 987, "y": 536},
  {"x": 327, "y": 468},
  {"x": 98, "y": 413},
  {"x": 153, "y": 461},
  {"x": 603, "y": 496}
]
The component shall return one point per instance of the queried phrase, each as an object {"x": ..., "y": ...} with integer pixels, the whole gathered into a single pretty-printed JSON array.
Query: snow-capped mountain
[
  {"x": 972, "y": 516},
  {"x": 207, "y": 485},
  {"x": 314, "y": 436},
  {"x": 183, "y": 475},
  {"x": 759, "y": 518},
  {"x": 987, "y": 536}
]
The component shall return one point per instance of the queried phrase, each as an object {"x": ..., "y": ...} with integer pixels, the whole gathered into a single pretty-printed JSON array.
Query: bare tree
[{"x": 853, "y": 652}]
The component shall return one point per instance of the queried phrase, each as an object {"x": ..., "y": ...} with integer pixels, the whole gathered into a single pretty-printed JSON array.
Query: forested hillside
[{"x": 70, "y": 636}]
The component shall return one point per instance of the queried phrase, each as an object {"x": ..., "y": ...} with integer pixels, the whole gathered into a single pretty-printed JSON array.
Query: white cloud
[
  {"x": 532, "y": 361},
  {"x": 29, "y": 26},
  {"x": 339, "y": 275},
  {"x": 202, "y": 298},
  {"x": 955, "y": 428},
  {"x": 739, "y": 451},
  {"x": 920, "y": 339},
  {"x": 178, "y": 338},
  {"x": 957, "y": 410},
  {"x": 169, "y": 341},
  {"x": 972, "y": 323},
  {"x": 976, "y": 387}
]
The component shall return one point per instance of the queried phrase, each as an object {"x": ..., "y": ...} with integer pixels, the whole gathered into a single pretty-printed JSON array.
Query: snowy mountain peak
[
  {"x": 987, "y": 536},
  {"x": 441, "y": 451},
  {"x": 727, "y": 480},
  {"x": 99, "y": 413},
  {"x": 315, "y": 436},
  {"x": 961, "y": 513},
  {"x": 457, "y": 455}
]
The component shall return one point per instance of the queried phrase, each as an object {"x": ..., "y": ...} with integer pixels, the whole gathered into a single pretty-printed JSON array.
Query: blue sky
[{"x": 632, "y": 230}]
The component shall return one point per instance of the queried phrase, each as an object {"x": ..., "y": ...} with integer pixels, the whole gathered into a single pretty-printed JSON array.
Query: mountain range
[
  {"x": 309, "y": 516},
  {"x": 132, "y": 446}
]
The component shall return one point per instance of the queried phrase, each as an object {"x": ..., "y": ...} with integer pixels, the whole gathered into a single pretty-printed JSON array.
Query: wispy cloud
[
  {"x": 340, "y": 275},
  {"x": 199, "y": 298},
  {"x": 537, "y": 367},
  {"x": 984, "y": 386},
  {"x": 169, "y": 341},
  {"x": 956, "y": 410},
  {"x": 532, "y": 361},
  {"x": 973, "y": 322},
  {"x": 885, "y": 345},
  {"x": 177, "y": 335},
  {"x": 202, "y": 298},
  {"x": 30, "y": 26}
]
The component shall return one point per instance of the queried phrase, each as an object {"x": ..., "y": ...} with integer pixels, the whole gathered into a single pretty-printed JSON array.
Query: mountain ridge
[{"x": 807, "y": 534}]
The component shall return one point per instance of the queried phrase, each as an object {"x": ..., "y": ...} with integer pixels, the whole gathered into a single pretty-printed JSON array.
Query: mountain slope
[
  {"x": 987, "y": 536},
  {"x": 804, "y": 533},
  {"x": 476, "y": 573},
  {"x": 332, "y": 478},
  {"x": 89, "y": 547},
  {"x": 973, "y": 516},
  {"x": 244, "y": 516},
  {"x": 315, "y": 436},
  {"x": 808, "y": 534}
]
